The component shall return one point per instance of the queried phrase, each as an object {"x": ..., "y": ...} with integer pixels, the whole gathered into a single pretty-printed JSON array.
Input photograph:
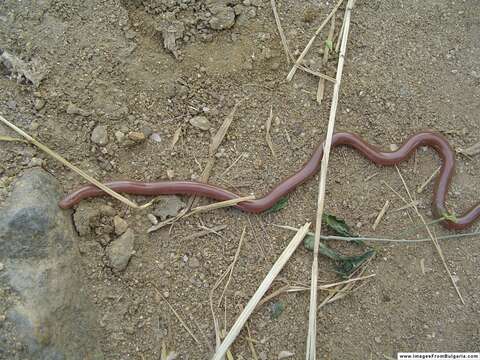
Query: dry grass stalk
[
  {"x": 80, "y": 172},
  {"x": 268, "y": 125},
  {"x": 400, "y": 197},
  {"x": 326, "y": 53},
  {"x": 176, "y": 137},
  {"x": 381, "y": 214},
  {"x": 207, "y": 231},
  {"x": 316, "y": 73},
  {"x": 433, "y": 237},
  {"x": 212, "y": 149},
  {"x": 343, "y": 238},
  {"x": 12, "y": 139},
  {"x": 288, "y": 54},
  {"x": 199, "y": 209},
  {"x": 310, "y": 43},
  {"x": 231, "y": 166},
  {"x": 425, "y": 184},
  {"x": 408, "y": 206},
  {"x": 176, "y": 315},
  {"x": 259, "y": 244},
  {"x": 232, "y": 266},
  {"x": 312, "y": 325},
  {"x": 262, "y": 289},
  {"x": 342, "y": 290},
  {"x": 288, "y": 289},
  {"x": 471, "y": 151},
  {"x": 250, "y": 343}
]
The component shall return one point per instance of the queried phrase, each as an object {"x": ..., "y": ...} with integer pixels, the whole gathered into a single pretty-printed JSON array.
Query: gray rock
[
  {"x": 120, "y": 251},
  {"x": 168, "y": 206},
  {"x": 223, "y": 17},
  {"x": 120, "y": 225},
  {"x": 47, "y": 315},
  {"x": 84, "y": 218},
  {"x": 73, "y": 109},
  {"x": 201, "y": 122},
  {"x": 100, "y": 135},
  {"x": 39, "y": 104}
]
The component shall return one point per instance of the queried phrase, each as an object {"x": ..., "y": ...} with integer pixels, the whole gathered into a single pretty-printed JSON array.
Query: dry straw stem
[
  {"x": 232, "y": 266},
  {"x": 176, "y": 136},
  {"x": 206, "y": 231},
  {"x": 268, "y": 125},
  {"x": 199, "y": 209},
  {"x": 80, "y": 172},
  {"x": 321, "y": 81},
  {"x": 250, "y": 343},
  {"x": 12, "y": 139},
  {"x": 361, "y": 238},
  {"x": 431, "y": 177},
  {"x": 433, "y": 237},
  {"x": 312, "y": 324},
  {"x": 214, "y": 144},
  {"x": 310, "y": 43},
  {"x": 288, "y": 54},
  {"x": 262, "y": 289},
  {"x": 176, "y": 314},
  {"x": 316, "y": 73},
  {"x": 381, "y": 214},
  {"x": 289, "y": 289}
]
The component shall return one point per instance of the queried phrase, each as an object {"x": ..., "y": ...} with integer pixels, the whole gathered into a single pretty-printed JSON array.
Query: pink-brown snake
[{"x": 426, "y": 138}]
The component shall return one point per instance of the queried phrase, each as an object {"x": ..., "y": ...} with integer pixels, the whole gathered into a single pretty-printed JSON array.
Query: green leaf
[
  {"x": 450, "y": 217},
  {"x": 345, "y": 264},
  {"x": 337, "y": 225},
  {"x": 278, "y": 206},
  {"x": 351, "y": 263},
  {"x": 329, "y": 44},
  {"x": 277, "y": 310}
]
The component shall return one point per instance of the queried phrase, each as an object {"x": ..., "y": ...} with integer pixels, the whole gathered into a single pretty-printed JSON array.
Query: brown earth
[{"x": 410, "y": 66}]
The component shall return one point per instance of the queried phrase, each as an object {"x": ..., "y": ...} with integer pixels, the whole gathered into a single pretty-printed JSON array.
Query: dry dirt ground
[{"x": 410, "y": 65}]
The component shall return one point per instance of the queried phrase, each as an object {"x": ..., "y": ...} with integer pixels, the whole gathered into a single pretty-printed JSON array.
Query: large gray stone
[{"x": 41, "y": 294}]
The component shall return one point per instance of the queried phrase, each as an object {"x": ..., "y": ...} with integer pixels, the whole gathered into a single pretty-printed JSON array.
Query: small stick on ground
[
  {"x": 370, "y": 177},
  {"x": 326, "y": 53},
  {"x": 310, "y": 43},
  {"x": 433, "y": 237},
  {"x": 232, "y": 266},
  {"x": 176, "y": 136},
  {"x": 288, "y": 54},
  {"x": 425, "y": 184},
  {"x": 268, "y": 138},
  {"x": 199, "y": 234},
  {"x": 80, "y": 172},
  {"x": 198, "y": 209},
  {"x": 214, "y": 144},
  {"x": 400, "y": 197},
  {"x": 177, "y": 315},
  {"x": 262, "y": 289},
  {"x": 260, "y": 246},
  {"x": 12, "y": 139},
  {"x": 312, "y": 317},
  {"x": 250, "y": 343},
  {"x": 381, "y": 214},
  {"x": 231, "y": 166},
  {"x": 316, "y": 73}
]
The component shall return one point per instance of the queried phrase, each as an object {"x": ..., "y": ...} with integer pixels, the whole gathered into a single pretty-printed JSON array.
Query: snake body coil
[{"x": 427, "y": 138}]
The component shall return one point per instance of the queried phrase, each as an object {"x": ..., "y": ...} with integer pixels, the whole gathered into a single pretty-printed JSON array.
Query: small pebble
[
  {"x": 120, "y": 136},
  {"x": 39, "y": 104},
  {"x": 35, "y": 162},
  {"x": 170, "y": 174},
  {"x": 153, "y": 219},
  {"x": 194, "y": 263},
  {"x": 156, "y": 137},
  {"x": 75, "y": 110},
  {"x": 393, "y": 147},
  {"x": 200, "y": 122},
  {"x": 378, "y": 340},
  {"x": 99, "y": 135},
  {"x": 120, "y": 225},
  {"x": 136, "y": 136},
  {"x": 147, "y": 131},
  {"x": 2, "y": 266},
  {"x": 12, "y": 104}
]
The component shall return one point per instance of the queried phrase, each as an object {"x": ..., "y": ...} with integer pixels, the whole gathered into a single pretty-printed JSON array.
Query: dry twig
[
  {"x": 288, "y": 54},
  {"x": 310, "y": 43},
  {"x": 312, "y": 325},
  {"x": 80, "y": 172},
  {"x": 268, "y": 138},
  {"x": 321, "y": 81}
]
